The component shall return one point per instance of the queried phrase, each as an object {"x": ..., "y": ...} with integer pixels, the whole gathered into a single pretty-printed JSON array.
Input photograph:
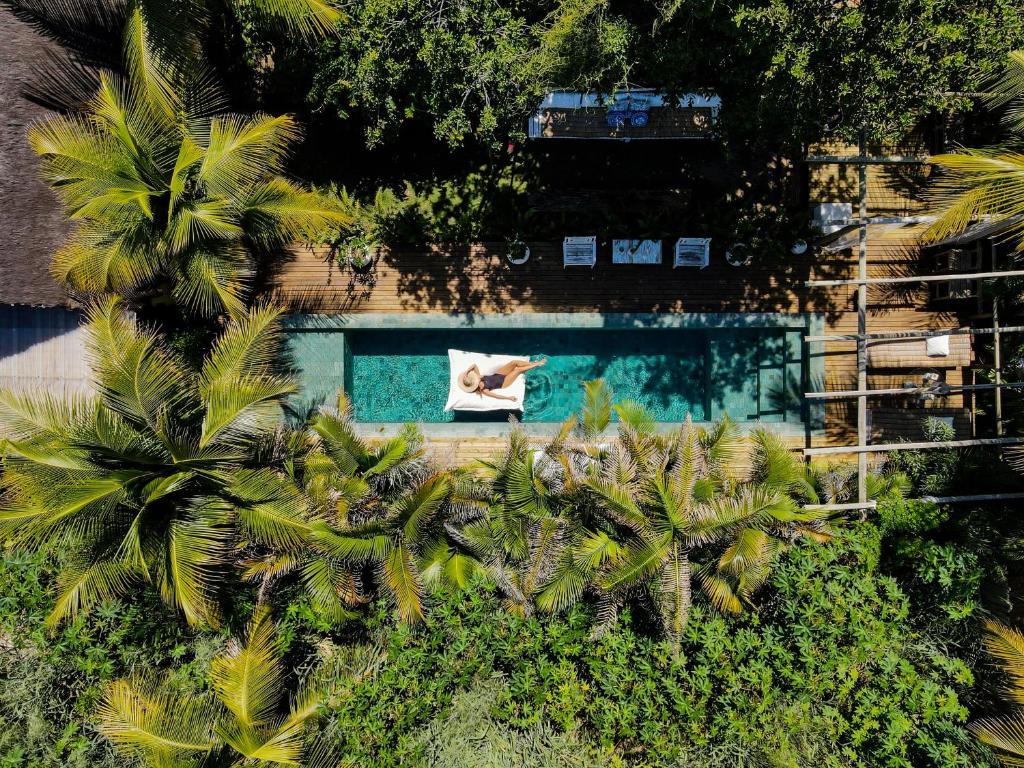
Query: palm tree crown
[
  {"x": 986, "y": 182},
  {"x": 1005, "y": 734},
  {"x": 156, "y": 477},
  {"x": 164, "y": 185},
  {"x": 247, "y": 719}
]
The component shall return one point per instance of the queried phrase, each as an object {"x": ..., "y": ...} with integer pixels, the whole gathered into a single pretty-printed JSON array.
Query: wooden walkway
[{"x": 477, "y": 279}]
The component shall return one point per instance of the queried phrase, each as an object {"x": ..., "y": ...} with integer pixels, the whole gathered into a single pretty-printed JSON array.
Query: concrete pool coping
[
  {"x": 814, "y": 322},
  {"x": 811, "y": 323}
]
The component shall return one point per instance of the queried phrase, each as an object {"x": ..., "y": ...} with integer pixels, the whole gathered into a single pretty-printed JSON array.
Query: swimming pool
[{"x": 395, "y": 367}]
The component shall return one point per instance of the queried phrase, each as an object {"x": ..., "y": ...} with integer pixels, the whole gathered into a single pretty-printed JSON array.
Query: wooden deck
[{"x": 476, "y": 279}]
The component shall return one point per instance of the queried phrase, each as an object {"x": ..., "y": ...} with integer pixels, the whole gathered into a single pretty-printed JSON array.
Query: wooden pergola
[{"x": 863, "y": 160}]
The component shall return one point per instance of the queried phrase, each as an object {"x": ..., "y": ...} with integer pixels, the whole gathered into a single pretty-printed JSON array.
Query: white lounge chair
[
  {"x": 636, "y": 251},
  {"x": 579, "y": 251},
  {"x": 692, "y": 252},
  {"x": 831, "y": 217}
]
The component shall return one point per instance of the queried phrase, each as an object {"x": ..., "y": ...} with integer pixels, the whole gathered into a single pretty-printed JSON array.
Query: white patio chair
[
  {"x": 579, "y": 251},
  {"x": 636, "y": 251},
  {"x": 692, "y": 252}
]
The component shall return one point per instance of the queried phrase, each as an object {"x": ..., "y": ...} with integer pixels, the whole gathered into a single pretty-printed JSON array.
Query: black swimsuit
[{"x": 493, "y": 380}]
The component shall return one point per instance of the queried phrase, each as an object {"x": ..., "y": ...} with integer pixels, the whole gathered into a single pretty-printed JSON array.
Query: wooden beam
[
  {"x": 923, "y": 446},
  {"x": 862, "y": 323},
  {"x": 864, "y": 159},
  {"x": 975, "y": 497},
  {"x": 939, "y": 391},
  {"x": 915, "y": 279},
  {"x": 842, "y": 507},
  {"x": 917, "y": 334}
]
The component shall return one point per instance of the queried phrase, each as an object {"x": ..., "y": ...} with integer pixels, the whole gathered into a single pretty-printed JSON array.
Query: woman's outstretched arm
[{"x": 496, "y": 396}]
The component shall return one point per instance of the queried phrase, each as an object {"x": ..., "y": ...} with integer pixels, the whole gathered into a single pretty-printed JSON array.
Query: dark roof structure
[{"x": 32, "y": 225}]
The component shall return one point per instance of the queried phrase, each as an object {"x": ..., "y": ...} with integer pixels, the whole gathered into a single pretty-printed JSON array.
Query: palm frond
[
  {"x": 1007, "y": 645},
  {"x": 162, "y": 727},
  {"x": 209, "y": 280},
  {"x": 197, "y": 546},
  {"x": 247, "y": 676},
  {"x": 975, "y": 183},
  {"x": 597, "y": 407},
  {"x": 83, "y": 586},
  {"x": 271, "y": 510},
  {"x": 419, "y": 507},
  {"x": 399, "y": 575},
  {"x": 278, "y": 212},
  {"x": 242, "y": 150},
  {"x": 1007, "y": 90},
  {"x": 340, "y": 442},
  {"x": 310, "y": 18},
  {"x": 673, "y": 592},
  {"x": 1005, "y": 735},
  {"x": 636, "y": 417},
  {"x": 136, "y": 377}
]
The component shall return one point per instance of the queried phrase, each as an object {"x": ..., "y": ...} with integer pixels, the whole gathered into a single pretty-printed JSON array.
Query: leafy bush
[
  {"x": 473, "y": 735},
  {"x": 50, "y": 683},
  {"x": 830, "y": 673}
]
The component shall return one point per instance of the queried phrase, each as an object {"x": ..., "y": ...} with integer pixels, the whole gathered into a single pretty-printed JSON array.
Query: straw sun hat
[{"x": 469, "y": 381}]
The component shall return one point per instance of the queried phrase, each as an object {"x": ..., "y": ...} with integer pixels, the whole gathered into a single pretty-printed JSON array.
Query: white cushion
[
  {"x": 937, "y": 346},
  {"x": 460, "y": 400}
]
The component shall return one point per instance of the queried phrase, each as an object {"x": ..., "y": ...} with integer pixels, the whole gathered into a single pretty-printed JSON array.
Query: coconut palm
[
  {"x": 378, "y": 518},
  {"x": 246, "y": 720},
  {"x": 646, "y": 513},
  {"x": 691, "y": 519},
  {"x": 986, "y": 182},
  {"x": 1005, "y": 734},
  {"x": 156, "y": 477},
  {"x": 168, "y": 189}
]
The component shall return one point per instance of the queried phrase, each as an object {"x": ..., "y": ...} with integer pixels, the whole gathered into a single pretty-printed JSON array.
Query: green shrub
[
  {"x": 50, "y": 683},
  {"x": 829, "y": 673}
]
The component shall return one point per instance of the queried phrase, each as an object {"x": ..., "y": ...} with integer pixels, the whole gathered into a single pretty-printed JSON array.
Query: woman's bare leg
[
  {"x": 511, "y": 377},
  {"x": 522, "y": 365}
]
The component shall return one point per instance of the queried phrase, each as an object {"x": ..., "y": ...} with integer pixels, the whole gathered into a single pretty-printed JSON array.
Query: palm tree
[
  {"x": 155, "y": 478},
  {"x": 986, "y": 182},
  {"x": 1005, "y": 734},
  {"x": 681, "y": 515},
  {"x": 167, "y": 187},
  {"x": 644, "y": 513},
  {"x": 247, "y": 718},
  {"x": 162, "y": 188},
  {"x": 378, "y": 517}
]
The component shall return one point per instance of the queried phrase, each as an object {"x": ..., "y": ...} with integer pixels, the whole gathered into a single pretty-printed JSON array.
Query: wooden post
[
  {"x": 862, "y": 324},
  {"x": 998, "y": 354}
]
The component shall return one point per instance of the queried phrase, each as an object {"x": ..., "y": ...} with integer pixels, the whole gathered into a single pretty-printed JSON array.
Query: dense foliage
[
  {"x": 829, "y": 673},
  {"x": 475, "y": 68}
]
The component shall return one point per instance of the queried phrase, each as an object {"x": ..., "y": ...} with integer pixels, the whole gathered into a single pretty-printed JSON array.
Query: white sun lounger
[
  {"x": 692, "y": 252},
  {"x": 579, "y": 251},
  {"x": 636, "y": 251}
]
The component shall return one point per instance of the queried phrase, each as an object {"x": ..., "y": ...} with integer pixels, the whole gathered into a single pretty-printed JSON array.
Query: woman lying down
[{"x": 474, "y": 381}]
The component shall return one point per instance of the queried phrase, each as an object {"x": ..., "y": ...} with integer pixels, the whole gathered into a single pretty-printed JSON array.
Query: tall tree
[
  {"x": 167, "y": 188},
  {"x": 986, "y": 182},
  {"x": 157, "y": 477}
]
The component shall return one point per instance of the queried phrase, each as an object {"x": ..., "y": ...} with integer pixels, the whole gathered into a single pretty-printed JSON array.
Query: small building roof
[
  {"x": 32, "y": 225},
  {"x": 576, "y": 115}
]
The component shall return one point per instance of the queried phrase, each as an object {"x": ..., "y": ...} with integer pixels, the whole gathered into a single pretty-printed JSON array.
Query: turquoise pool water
[{"x": 400, "y": 375}]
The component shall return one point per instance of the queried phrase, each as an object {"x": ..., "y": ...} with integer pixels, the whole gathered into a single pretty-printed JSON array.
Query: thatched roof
[{"x": 32, "y": 225}]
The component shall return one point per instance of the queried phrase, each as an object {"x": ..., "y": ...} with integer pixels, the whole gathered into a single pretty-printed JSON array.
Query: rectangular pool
[{"x": 395, "y": 367}]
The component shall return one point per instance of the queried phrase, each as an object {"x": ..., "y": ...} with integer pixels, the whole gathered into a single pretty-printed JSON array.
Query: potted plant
[
  {"x": 359, "y": 250},
  {"x": 516, "y": 251}
]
